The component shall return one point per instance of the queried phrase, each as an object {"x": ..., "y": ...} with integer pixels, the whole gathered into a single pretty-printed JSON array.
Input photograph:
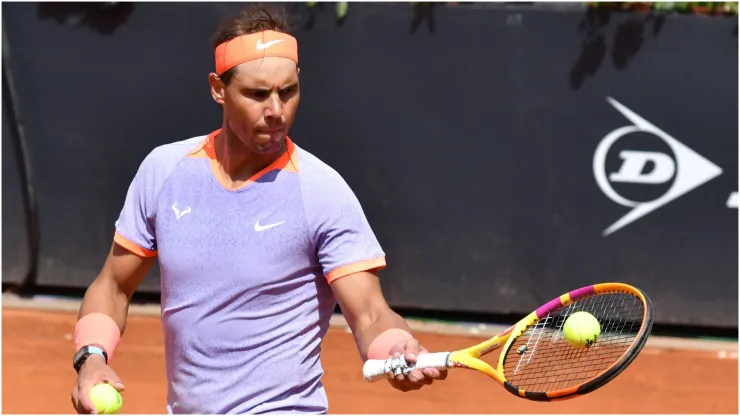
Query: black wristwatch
[{"x": 84, "y": 353}]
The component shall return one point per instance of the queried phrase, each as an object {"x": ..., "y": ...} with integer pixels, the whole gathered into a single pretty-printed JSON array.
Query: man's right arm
[
  {"x": 102, "y": 320},
  {"x": 110, "y": 293},
  {"x": 102, "y": 316}
]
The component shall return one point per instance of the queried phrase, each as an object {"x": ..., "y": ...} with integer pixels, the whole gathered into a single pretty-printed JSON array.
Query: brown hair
[{"x": 254, "y": 18}]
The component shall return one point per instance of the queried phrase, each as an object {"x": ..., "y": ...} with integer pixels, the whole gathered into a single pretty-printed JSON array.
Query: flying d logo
[{"x": 690, "y": 168}]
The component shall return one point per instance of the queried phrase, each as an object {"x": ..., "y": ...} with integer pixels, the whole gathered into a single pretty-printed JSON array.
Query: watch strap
[{"x": 85, "y": 352}]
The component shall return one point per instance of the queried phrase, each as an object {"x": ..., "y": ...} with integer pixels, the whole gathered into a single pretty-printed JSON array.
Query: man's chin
[{"x": 273, "y": 145}]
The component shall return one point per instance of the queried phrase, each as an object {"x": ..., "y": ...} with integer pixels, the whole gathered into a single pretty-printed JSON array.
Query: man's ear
[{"x": 218, "y": 89}]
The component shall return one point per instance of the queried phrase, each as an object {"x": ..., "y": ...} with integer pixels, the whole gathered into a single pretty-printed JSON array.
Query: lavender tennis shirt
[{"x": 246, "y": 273}]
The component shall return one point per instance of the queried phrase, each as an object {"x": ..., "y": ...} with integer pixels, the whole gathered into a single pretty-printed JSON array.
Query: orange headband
[{"x": 255, "y": 46}]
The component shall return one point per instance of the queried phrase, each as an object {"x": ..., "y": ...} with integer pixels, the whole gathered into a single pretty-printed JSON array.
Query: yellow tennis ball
[
  {"x": 581, "y": 329},
  {"x": 106, "y": 398}
]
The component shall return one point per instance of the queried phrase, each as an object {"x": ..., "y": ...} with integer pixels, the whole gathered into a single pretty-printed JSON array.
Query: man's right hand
[{"x": 94, "y": 371}]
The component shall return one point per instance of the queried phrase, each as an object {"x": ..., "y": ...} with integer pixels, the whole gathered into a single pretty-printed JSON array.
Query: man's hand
[
  {"x": 94, "y": 371},
  {"x": 368, "y": 315},
  {"x": 416, "y": 379}
]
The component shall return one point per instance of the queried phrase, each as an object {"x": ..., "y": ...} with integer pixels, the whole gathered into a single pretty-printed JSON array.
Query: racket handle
[{"x": 375, "y": 370}]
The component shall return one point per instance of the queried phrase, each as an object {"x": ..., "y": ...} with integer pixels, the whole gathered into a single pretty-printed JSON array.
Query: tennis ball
[
  {"x": 581, "y": 329},
  {"x": 106, "y": 398}
]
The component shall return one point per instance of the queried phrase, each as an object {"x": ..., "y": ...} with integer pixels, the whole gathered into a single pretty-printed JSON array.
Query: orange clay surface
[{"x": 37, "y": 376}]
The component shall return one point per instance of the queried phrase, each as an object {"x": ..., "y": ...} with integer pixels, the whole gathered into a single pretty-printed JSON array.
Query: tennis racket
[{"x": 536, "y": 362}]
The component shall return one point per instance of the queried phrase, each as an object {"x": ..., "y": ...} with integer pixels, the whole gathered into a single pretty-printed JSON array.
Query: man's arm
[
  {"x": 102, "y": 320},
  {"x": 370, "y": 318},
  {"x": 132, "y": 253},
  {"x": 104, "y": 309},
  {"x": 110, "y": 293},
  {"x": 364, "y": 307},
  {"x": 350, "y": 256}
]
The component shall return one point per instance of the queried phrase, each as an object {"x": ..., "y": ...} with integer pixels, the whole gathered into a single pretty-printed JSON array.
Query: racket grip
[{"x": 375, "y": 370}]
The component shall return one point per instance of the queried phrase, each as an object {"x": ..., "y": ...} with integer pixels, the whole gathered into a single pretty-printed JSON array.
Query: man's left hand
[{"x": 418, "y": 378}]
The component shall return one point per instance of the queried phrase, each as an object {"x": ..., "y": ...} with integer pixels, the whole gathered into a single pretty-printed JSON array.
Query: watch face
[
  {"x": 84, "y": 353},
  {"x": 81, "y": 357},
  {"x": 78, "y": 359}
]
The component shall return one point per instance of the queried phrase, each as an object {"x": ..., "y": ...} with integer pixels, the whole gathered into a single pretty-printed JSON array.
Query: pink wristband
[
  {"x": 383, "y": 343},
  {"x": 97, "y": 329}
]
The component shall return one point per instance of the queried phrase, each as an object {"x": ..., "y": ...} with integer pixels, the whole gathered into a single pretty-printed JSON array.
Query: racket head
[{"x": 537, "y": 362}]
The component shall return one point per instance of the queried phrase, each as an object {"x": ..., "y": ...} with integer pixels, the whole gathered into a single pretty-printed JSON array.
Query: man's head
[{"x": 260, "y": 95}]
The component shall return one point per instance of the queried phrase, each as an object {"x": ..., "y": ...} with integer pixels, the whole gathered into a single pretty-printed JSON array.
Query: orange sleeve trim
[
  {"x": 132, "y": 247},
  {"x": 360, "y": 266}
]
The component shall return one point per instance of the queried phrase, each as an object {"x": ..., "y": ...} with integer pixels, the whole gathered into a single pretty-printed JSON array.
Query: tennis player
[{"x": 257, "y": 241}]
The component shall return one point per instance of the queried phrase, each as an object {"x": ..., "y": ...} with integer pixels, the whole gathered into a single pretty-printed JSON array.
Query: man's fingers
[
  {"x": 410, "y": 385},
  {"x": 435, "y": 374},
  {"x": 411, "y": 350},
  {"x": 432, "y": 373},
  {"x": 415, "y": 376},
  {"x": 405, "y": 385},
  {"x": 75, "y": 403},
  {"x": 114, "y": 381},
  {"x": 83, "y": 399},
  {"x": 398, "y": 385},
  {"x": 78, "y": 402},
  {"x": 416, "y": 379}
]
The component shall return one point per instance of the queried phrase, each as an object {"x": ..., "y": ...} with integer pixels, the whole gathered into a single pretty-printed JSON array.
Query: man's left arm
[
  {"x": 350, "y": 256},
  {"x": 380, "y": 332}
]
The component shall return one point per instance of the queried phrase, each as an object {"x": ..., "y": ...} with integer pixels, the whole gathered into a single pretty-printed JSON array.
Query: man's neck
[{"x": 236, "y": 162}]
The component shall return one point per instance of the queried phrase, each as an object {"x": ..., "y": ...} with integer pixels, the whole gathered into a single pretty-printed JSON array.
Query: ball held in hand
[
  {"x": 106, "y": 398},
  {"x": 581, "y": 329}
]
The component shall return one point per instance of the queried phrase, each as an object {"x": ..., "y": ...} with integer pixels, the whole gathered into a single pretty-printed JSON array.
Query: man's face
[{"x": 260, "y": 102}]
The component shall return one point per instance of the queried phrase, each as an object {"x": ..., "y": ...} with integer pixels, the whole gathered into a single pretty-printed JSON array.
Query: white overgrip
[
  {"x": 374, "y": 370},
  {"x": 432, "y": 360}
]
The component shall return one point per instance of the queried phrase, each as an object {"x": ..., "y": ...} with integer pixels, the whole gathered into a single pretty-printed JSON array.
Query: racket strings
[{"x": 541, "y": 360}]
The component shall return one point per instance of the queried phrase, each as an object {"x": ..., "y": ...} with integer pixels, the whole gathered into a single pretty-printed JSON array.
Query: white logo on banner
[
  {"x": 689, "y": 168},
  {"x": 732, "y": 200}
]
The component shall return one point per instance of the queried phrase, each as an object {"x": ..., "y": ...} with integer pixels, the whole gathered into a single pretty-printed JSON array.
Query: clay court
[{"x": 37, "y": 356}]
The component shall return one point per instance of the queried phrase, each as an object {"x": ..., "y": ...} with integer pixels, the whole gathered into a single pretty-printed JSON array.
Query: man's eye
[
  {"x": 288, "y": 91},
  {"x": 260, "y": 95}
]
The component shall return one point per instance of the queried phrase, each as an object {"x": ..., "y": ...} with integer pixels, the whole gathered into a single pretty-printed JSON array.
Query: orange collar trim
[{"x": 288, "y": 161}]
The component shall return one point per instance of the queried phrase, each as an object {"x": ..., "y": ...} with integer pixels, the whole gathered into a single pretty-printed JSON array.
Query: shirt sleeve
[
  {"x": 135, "y": 225},
  {"x": 345, "y": 243}
]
